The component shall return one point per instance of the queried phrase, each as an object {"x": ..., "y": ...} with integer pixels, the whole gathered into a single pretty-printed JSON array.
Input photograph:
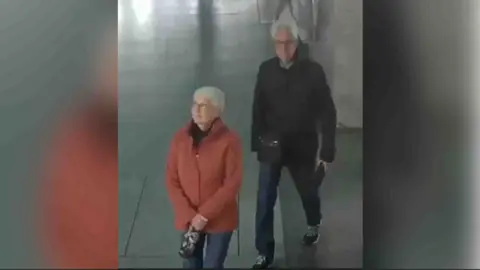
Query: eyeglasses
[
  {"x": 199, "y": 105},
  {"x": 285, "y": 42}
]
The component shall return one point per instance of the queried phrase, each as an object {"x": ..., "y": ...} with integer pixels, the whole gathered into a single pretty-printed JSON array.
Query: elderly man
[
  {"x": 203, "y": 179},
  {"x": 291, "y": 98}
]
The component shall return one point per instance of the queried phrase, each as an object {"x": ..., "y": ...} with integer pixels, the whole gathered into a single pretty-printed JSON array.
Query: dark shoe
[
  {"x": 312, "y": 236},
  {"x": 262, "y": 262}
]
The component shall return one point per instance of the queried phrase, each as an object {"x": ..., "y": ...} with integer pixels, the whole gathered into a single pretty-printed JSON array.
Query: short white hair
[
  {"x": 215, "y": 95},
  {"x": 278, "y": 25}
]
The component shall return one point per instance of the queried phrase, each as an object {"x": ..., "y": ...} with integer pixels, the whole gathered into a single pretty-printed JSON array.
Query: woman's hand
[{"x": 198, "y": 222}]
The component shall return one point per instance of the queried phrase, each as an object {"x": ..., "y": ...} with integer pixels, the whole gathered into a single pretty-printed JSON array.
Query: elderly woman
[{"x": 203, "y": 178}]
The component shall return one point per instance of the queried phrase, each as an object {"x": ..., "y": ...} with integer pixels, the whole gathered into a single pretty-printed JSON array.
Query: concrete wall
[
  {"x": 347, "y": 80},
  {"x": 339, "y": 49}
]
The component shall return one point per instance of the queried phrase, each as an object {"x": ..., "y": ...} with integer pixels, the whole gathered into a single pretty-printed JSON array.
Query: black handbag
[
  {"x": 189, "y": 241},
  {"x": 270, "y": 148}
]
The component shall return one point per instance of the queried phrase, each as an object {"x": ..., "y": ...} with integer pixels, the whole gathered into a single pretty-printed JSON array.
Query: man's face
[
  {"x": 203, "y": 111},
  {"x": 285, "y": 45}
]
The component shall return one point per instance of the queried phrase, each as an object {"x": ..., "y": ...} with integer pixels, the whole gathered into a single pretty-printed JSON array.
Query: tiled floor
[{"x": 166, "y": 50}]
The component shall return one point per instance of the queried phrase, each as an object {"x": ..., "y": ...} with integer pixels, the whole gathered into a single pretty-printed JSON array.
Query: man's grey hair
[
  {"x": 215, "y": 95},
  {"x": 278, "y": 25}
]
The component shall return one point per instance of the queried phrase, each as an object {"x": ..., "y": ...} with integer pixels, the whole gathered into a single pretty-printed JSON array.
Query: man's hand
[
  {"x": 198, "y": 222},
  {"x": 321, "y": 162}
]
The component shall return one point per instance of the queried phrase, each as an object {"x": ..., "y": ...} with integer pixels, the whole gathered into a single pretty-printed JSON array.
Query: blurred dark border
[
  {"x": 387, "y": 116},
  {"x": 412, "y": 200}
]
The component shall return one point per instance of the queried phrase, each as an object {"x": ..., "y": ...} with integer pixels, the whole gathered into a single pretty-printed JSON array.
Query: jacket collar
[{"x": 288, "y": 65}]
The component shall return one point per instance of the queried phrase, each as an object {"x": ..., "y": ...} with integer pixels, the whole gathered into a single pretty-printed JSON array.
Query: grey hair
[
  {"x": 278, "y": 25},
  {"x": 215, "y": 95}
]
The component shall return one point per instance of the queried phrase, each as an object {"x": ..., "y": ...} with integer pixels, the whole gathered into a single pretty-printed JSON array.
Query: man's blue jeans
[
  {"x": 269, "y": 177},
  {"x": 216, "y": 250}
]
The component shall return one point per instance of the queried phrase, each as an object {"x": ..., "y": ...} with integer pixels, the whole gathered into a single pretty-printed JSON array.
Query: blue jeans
[
  {"x": 216, "y": 250},
  {"x": 269, "y": 177}
]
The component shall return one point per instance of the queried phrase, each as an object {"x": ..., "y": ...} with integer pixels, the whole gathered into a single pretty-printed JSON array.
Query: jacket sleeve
[
  {"x": 231, "y": 184},
  {"x": 257, "y": 113},
  {"x": 327, "y": 115},
  {"x": 180, "y": 202}
]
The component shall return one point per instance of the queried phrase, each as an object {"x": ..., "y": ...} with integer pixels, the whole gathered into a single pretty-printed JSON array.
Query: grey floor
[{"x": 166, "y": 50}]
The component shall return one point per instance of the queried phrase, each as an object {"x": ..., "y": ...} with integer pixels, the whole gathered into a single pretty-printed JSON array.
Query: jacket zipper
[{"x": 197, "y": 156}]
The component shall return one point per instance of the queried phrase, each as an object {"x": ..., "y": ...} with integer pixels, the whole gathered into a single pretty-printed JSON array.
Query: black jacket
[{"x": 295, "y": 103}]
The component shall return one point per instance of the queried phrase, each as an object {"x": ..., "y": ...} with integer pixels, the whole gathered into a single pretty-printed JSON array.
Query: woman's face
[{"x": 203, "y": 111}]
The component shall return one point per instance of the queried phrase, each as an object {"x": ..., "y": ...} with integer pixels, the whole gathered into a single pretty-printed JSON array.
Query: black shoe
[
  {"x": 312, "y": 235},
  {"x": 262, "y": 262}
]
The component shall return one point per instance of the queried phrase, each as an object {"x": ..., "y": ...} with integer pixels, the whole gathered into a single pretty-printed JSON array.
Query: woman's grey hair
[
  {"x": 278, "y": 25},
  {"x": 215, "y": 95}
]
